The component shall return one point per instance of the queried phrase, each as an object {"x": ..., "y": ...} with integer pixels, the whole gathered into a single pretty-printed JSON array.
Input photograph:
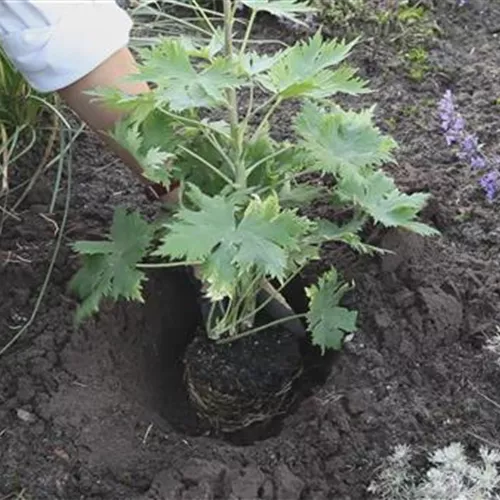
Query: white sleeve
[{"x": 54, "y": 43}]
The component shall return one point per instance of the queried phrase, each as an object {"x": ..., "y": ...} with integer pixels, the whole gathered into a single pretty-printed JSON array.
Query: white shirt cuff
[{"x": 61, "y": 42}]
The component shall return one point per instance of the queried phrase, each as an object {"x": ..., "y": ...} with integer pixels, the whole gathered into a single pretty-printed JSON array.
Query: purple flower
[
  {"x": 489, "y": 183},
  {"x": 477, "y": 162},
  {"x": 455, "y": 129},
  {"x": 446, "y": 110},
  {"x": 469, "y": 145},
  {"x": 470, "y": 152},
  {"x": 452, "y": 123},
  {"x": 469, "y": 149}
]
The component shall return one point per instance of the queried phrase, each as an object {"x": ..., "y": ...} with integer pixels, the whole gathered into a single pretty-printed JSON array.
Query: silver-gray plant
[{"x": 451, "y": 476}]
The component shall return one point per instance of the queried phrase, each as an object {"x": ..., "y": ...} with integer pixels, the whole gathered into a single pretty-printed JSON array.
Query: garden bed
[{"x": 100, "y": 412}]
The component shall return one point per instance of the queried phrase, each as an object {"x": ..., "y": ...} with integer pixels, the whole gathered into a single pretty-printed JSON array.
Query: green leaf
[
  {"x": 153, "y": 160},
  {"x": 220, "y": 237},
  {"x": 253, "y": 64},
  {"x": 136, "y": 106},
  {"x": 348, "y": 234},
  {"x": 343, "y": 142},
  {"x": 193, "y": 234},
  {"x": 181, "y": 86},
  {"x": 344, "y": 80},
  {"x": 109, "y": 267},
  {"x": 300, "y": 194},
  {"x": 378, "y": 196},
  {"x": 303, "y": 70},
  {"x": 195, "y": 48},
  {"x": 287, "y": 9},
  {"x": 327, "y": 321}
]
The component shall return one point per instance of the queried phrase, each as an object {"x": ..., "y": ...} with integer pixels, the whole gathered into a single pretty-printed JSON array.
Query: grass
[
  {"x": 21, "y": 111},
  {"x": 23, "y": 115},
  {"x": 21, "y": 495}
]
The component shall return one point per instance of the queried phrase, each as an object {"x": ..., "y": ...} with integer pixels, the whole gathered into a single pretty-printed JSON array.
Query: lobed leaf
[
  {"x": 342, "y": 142},
  {"x": 287, "y": 9},
  {"x": 182, "y": 86},
  {"x": 228, "y": 243},
  {"x": 327, "y": 321},
  {"x": 347, "y": 233},
  {"x": 379, "y": 197},
  {"x": 152, "y": 159},
  {"x": 303, "y": 70},
  {"x": 109, "y": 267}
]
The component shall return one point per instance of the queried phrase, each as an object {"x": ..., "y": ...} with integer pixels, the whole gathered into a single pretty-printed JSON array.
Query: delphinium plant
[
  {"x": 467, "y": 146},
  {"x": 237, "y": 221}
]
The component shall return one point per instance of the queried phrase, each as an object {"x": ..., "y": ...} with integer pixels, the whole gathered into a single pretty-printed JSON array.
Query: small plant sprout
[{"x": 208, "y": 125}]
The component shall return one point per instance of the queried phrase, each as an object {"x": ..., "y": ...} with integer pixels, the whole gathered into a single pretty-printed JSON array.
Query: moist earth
[{"x": 98, "y": 412}]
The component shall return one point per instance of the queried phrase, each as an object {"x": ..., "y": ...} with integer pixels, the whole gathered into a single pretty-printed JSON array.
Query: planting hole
[{"x": 171, "y": 318}]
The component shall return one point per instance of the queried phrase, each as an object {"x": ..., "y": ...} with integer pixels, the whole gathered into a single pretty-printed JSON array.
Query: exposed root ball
[{"x": 246, "y": 382}]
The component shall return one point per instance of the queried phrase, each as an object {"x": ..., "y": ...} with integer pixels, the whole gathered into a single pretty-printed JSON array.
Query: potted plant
[{"x": 206, "y": 127}]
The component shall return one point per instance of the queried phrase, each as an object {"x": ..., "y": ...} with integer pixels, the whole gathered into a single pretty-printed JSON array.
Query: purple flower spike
[
  {"x": 470, "y": 145},
  {"x": 489, "y": 183},
  {"x": 446, "y": 110},
  {"x": 470, "y": 152},
  {"x": 452, "y": 123},
  {"x": 477, "y": 162},
  {"x": 455, "y": 129},
  {"x": 469, "y": 149}
]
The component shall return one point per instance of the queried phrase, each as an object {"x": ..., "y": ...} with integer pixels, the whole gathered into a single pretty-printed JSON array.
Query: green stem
[
  {"x": 214, "y": 169},
  {"x": 203, "y": 14},
  {"x": 255, "y": 310},
  {"x": 248, "y": 32},
  {"x": 260, "y": 328},
  {"x": 267, "y": 158},
  {"x": 264, "y": 105},
  {"x": 161, "y": 265},
  {"x": 213, "y": 141},
  {"x": 268, "y": 115},
  {"x": 27, "y": 148},
  {"x": 232, "y": 98}
]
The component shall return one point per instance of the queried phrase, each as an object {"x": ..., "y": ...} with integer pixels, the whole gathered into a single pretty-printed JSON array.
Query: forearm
[
  {"x": 70, "y": 48},
  {"x": 111, "y": 73}
]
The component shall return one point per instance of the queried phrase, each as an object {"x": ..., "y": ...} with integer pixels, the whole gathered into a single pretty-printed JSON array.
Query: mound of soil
[{"x": 98, "y": 412}]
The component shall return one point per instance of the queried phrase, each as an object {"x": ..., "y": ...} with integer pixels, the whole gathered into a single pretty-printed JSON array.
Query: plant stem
[
  {"x": 260, "y": 328},
  {"x": 166, "y": 265},
  {"x": 213, "y": 168},
  {"x": 264, "y": 105},
  {"x": 203, "y": 14},
  {"x": 248, "y": 31},
  {"x": 241, "y": 176},
  {"x": 270, "y": 111},
  {"x": 213, "y": 141},
  {"x": 245, "y": 317},
  {"x": 267, "y": 158}
]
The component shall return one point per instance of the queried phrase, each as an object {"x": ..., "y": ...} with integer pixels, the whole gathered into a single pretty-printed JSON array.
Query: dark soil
[{"x": 98, "y": 413}]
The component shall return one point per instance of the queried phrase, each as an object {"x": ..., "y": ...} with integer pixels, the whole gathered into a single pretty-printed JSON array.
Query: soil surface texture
[{"x": 99, "y": 412}]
